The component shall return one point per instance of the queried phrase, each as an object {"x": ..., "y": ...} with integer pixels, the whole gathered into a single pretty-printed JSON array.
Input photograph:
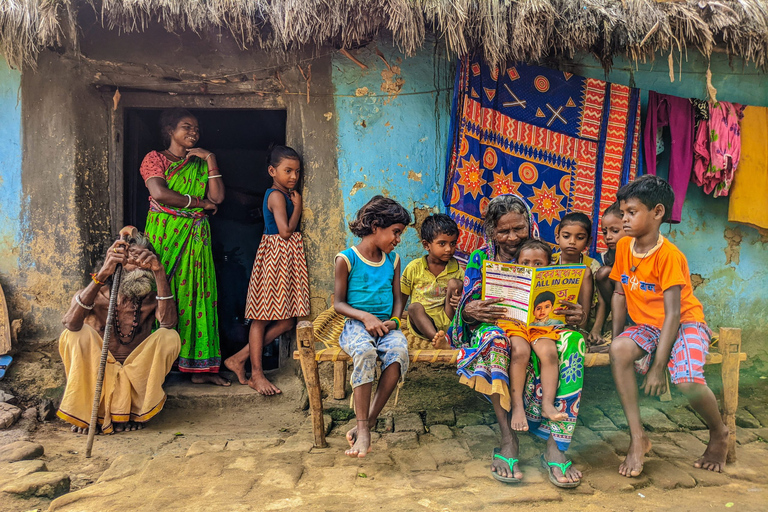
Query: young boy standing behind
[
  {"x": 653, "y": 284},
  {"x": 434, "y": 282}
]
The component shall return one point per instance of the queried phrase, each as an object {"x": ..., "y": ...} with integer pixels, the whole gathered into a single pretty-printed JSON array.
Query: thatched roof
[{"x": 526, "y": 30}]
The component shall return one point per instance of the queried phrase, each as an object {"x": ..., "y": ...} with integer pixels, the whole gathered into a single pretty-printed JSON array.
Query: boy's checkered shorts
[{"x": 686, "y": 362}]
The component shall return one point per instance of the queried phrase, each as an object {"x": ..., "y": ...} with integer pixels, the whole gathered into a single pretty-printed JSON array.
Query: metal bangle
[
  {"x": 189, "y": 200},
  {"x": 80, "y": 303},
  {"x": 209, "y": 156},
  {"x": 165, "y": 298},
  {"x": 214, "y": 176}
]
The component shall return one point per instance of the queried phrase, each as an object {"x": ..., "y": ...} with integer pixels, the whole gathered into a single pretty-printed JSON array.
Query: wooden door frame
[{"x": 162, "y": 100}]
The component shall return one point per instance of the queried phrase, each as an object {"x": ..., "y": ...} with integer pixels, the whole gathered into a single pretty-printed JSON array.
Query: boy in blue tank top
[{"x": 367, "y": 292}]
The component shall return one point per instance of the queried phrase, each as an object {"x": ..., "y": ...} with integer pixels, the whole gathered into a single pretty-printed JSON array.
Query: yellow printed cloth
[
  {"x": 430, "y": 290},
  {"x": 131, "y": 391},
  {"x": 750, "y": 183}
]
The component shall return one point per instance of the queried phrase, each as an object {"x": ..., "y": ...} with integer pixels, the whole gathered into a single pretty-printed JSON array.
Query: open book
[{"x": 531, "y": 294}]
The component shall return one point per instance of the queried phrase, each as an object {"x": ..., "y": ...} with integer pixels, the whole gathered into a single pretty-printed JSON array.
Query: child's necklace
[{"x": 633, "y": 268}]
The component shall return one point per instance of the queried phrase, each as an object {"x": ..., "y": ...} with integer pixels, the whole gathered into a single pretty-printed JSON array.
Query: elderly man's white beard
[{"x": 137, "y": 284}]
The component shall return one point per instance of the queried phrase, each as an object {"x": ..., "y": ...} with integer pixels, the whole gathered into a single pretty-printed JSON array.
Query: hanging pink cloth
[{"x": 724, "y": 149}]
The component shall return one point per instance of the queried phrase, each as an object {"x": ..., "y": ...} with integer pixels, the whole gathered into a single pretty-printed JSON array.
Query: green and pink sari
[{"x": 182, "y": 239}]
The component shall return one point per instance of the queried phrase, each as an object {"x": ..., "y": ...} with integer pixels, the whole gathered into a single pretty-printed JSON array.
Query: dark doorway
[{"x": 240, "y": 139}]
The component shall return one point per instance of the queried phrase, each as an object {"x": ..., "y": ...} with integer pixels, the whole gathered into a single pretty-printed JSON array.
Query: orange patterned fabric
[{"x": 563, "y": 142}]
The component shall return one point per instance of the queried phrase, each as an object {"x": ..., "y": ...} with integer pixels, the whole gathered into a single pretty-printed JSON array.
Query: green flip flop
[
  {"x": 549, "y": 466},
  {"x": 511, "y": 463}
]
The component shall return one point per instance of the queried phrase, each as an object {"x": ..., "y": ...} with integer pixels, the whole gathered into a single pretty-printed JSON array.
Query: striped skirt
[{"x": 279, "y": 286}]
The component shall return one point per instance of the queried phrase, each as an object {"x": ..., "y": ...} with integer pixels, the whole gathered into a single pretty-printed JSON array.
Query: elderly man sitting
[{"x": 138, "y": 360}]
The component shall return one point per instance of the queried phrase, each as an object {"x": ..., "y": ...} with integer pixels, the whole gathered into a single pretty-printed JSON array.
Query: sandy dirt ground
[{"x": 219, "y": 449}]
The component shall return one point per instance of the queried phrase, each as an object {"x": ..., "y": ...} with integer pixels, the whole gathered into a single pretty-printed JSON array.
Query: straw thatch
[{"x": 528, "y": 30}]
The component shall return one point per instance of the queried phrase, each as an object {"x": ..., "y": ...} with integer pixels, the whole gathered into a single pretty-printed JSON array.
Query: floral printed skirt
[{"x": 484, "y": 366}]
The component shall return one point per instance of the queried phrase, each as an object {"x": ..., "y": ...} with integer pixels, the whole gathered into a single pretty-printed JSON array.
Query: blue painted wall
[
  {"x": 383, "y": 140},
  {"x": 10, "y": 169},
  {"x": 392, "y": 125},
  {"x": 730, "y": 258}
]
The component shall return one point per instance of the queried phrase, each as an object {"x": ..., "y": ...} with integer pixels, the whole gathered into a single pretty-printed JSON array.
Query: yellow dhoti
[{"x": 132, "y": 390}]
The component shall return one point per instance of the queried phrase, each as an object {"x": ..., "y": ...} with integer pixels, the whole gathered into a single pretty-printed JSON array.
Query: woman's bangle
[
  {"x": 189, "y": 200},
  {"x": 197, "y": 202},
  {"x": 80, "y": 303},
  {"x": 468, "y": 320},
  {"x": 164, "y": 298},
  {"x": 93, "y": 277},
  {"x": 209, "y": 156},
  {"x": 214, "y": 176},
  {"x": 396, "y": 320}
]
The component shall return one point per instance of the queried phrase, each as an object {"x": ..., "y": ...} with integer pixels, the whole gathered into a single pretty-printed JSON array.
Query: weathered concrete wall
[
  {"x": 729, "y": 260},
  {"x": 392, "y": 121},
  {"x": 385, "y": 142},
  {"x": 64, "y": 188},
  {"x": 10, "y": 180}
]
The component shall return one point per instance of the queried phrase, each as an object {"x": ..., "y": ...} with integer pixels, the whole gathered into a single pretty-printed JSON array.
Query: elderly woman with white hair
[{"x": 486, "y": 352}]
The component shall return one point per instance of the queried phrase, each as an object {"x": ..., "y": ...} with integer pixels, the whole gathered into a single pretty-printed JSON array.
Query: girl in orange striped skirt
[{"x": 279, "y": 287}]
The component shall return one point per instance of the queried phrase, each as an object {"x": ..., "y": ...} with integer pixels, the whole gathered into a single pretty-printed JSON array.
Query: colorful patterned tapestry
[{"x": 564, "y": 142}]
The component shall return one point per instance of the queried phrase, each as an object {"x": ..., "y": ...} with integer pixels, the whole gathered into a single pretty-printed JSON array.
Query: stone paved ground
[{"x": 202, "y": 454}]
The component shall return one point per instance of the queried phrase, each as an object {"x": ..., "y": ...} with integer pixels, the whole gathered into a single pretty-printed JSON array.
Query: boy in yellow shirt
[{"x": 434, "y": 282}]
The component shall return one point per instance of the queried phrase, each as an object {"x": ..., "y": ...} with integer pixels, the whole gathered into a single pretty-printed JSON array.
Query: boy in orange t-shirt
[{"x": 653, "y": 284}]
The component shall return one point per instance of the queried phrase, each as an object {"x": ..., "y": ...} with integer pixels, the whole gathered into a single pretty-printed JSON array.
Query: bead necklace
[
  {"x": 136, "y": 313},
  {"x": 174, "y": 156},
  {"x": 633, "y": 268}
]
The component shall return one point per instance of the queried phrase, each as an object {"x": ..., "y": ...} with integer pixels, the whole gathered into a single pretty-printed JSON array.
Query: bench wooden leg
[
  {"x": 339, "y": 380},
  {"x": 305, "y": 339},
  {"x": 730, "y": 346}
]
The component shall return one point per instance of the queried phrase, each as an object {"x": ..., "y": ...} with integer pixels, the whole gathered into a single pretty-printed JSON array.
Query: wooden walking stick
[{"x": 125, "y": 234}]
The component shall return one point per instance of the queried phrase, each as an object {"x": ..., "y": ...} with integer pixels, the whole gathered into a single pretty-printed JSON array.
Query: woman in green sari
[
  {"x": 183, "y": 182},
  {"x": 485, "y": 352}
]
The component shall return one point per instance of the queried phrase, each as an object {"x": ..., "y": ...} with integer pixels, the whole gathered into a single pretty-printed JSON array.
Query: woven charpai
[{"x": 329, "y": 324}]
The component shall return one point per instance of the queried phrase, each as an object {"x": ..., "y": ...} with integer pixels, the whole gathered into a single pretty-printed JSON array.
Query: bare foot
[
  {"x": 508, "y": 450},
  {"x": 352, "y": 436},
  {"x": 362, "y": 444},
  {"x": 440, "y": 341},
  {"x": 550, "y": 412},
  {"x": 120, "y": 427},
  {"x": 716, "y": 452},
  {"x": 210, "y": 378},
  {"x": 81, "y": 430},
  {"x": 633, "y": 463},
  {"x": 238, "y": 368},
  {"x": 553, "y": 454},
  {"x": 134, "y": 425},
  {"x": 518, "y": 421},
  {"x": 261, "y": 384}
]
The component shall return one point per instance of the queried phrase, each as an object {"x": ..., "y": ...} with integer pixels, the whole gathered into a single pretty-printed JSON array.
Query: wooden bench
[{"x": 728, "y": 355}]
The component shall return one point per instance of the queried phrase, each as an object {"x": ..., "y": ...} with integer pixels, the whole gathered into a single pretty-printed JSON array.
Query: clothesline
[
  {"x": 718, "y": 145},
  {"x": 568, "y": 143}
]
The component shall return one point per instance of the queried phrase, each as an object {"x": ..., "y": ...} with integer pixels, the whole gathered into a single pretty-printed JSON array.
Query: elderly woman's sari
[
  {"x": 182, "y": 239},
  {"x": 484, "y": 357}
]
